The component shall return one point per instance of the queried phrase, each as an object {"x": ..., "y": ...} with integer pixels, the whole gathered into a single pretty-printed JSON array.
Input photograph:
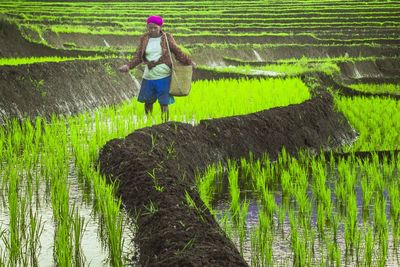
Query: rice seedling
[
  {"x": 350, "y": 228},
  {"x": 394, "y": 197},
  {"x": 78, "y": 230},
  {"x": 375, "y": 133},
  {"x": 234, "y": 189},
  {"x": 14, "y": 243},
  {"x": 35, "y": 60},
  {"x": 299, "y": 247},
  {"x": 286, "y": 184},
  {"x": 35, "y": 231},
  {"x": 381, "y": 227},
  {"x": 369, "y": 246},
  {"x": 377, "y": 88},
  {"x": 334, "y": 254},
  {"x": 268, "y": 202},
  {"x": 242, "y": 224},
  {"x": 261, "y": 242},
  {"x": 206, "y": 185}
]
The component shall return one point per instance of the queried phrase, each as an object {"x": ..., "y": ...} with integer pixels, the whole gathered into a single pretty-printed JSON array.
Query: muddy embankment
[
  {"x": 285, "y": 47},
  {"x": 155, "y": 169},
  {"x": 93, "y": 40},
  {"x": 14, "y": 44},
  {"x": 68, "y": 87}
]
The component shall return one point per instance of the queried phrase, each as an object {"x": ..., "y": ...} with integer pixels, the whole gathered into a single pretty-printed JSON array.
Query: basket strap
[{"x": 169, "y": 51}]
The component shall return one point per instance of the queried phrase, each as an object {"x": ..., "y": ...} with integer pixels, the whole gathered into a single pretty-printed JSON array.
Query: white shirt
[{"x": 153, "y": 53}]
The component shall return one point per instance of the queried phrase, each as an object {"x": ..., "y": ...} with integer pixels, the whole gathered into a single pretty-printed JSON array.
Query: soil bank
[{"x": 156, "y": 166}]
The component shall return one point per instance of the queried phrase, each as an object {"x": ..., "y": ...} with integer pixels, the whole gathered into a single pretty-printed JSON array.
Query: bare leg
[
  {"x": 148, "y": 108},
  {"x": 164, "y": 113}
]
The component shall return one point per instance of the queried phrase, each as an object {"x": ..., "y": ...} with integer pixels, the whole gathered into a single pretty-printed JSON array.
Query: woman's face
[{"x": 154, "y": 29}]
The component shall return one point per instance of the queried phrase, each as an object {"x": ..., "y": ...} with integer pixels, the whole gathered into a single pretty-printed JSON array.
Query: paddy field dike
[{"x": 284, "y": 153}]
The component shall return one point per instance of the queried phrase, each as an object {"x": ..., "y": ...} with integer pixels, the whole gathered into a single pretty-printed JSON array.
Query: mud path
[{"x": 155, "y": 167}]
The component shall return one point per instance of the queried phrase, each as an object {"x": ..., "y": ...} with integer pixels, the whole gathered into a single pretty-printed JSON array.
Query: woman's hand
[
  {"x": 124, "y": 68},
  {"x": 151, "y": 64},
  {"x": 194, "y": 65}
]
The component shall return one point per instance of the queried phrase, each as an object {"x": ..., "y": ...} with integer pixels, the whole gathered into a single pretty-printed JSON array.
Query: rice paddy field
[{"x": 314, "y": 208}]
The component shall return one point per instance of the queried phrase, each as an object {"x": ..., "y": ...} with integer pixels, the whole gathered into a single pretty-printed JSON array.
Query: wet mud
[{"x": 155, "y": 168}]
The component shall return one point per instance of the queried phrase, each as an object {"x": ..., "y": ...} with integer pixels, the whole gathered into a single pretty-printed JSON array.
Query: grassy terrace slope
[{"x": 273, "y": 22}]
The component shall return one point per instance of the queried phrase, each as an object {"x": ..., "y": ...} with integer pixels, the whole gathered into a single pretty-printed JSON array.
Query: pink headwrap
[{"x": 156, "y": 20}]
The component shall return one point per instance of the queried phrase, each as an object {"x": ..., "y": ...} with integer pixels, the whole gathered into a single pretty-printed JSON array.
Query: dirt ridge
[
  {"x": 176, "y": 234},
  {"x": 68, "y": 87},
  {"x": 14, "y": 44}
]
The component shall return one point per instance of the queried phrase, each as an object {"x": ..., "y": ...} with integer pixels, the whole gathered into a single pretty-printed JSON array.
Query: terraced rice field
[{"x": 306, "y": 209}]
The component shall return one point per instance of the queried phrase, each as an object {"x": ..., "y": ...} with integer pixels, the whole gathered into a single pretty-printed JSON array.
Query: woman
[{"x": 153, "y": 51}]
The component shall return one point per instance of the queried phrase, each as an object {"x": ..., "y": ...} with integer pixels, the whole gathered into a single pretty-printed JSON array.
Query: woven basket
[
  {"x": 181, "y": 80},
  {"x": 181, "y": 77}
]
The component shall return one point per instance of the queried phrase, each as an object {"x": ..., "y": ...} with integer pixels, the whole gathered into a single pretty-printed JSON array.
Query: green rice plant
[
  {"x": 395, "y": 233},
  {"x": 63, "y": 242},
  {"x": 190, "y": 202},
  {"x": 334, "y": 254},
  {"x": 234, "y": 190},
  {"x": 14, "y": 243},
  {"x": 303, "y": 204},
  {"x": 206, "y": 185},
  {"x": 111, "y": 214},
  {"x": 78, "y": 230},
  {"x": 286, "y": 184},
  {"x": 369, "y": 246},
  {"x": 258, "y": 176},
  {"x": 245, "y": 169},
  {"x": 375, "y": 133},
  {"x": 36, "y": 60},
  {"x": 394, "y": 197},
  {"x": 35, "y": 231},
  {"x": 320, "y": 189},
  {"x": 283, "y": 159},
  {"x": 377, "y": 88},
  {"x": 268, "y": 202},
  {"x": 261, "y": 241},
  {"x": 63, "y": 250},
  {"x": 381, "y": 227},
  {"x": 350, "y": 227},
  {"x": 388, "y": 167},
  {"x": 299, "y": 247},
  {"x": 368, "y": 190},
  {"x": 242, "y": 225},
  {"x": 157, "y": 186},
  {"x": 299, "y": 67},
  {"x": 321, "y": 220},
  {"x": 206, "y": 95},
  {"x": 281, "y": 214},
  {"x": 226, "y": 225}
]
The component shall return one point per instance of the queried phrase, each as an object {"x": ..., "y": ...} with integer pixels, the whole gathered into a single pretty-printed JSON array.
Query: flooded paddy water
[
  {"x": 350, "y": 218},
  {"x": 57, "y": 207},
  {"x": 35, "y": 196}
]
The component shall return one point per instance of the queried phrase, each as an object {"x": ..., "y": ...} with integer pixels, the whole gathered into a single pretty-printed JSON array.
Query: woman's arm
[{"x": 137, "y": 58}]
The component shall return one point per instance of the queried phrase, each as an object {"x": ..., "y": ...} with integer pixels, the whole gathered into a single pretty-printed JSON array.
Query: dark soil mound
[
  {"x": 13, "y": 44},
  {"x": 167, "y": 157},
  {"x": 344, "y": 90},
  {"x": 380, "y": 68},
  {"x": 62, "y": 88}
]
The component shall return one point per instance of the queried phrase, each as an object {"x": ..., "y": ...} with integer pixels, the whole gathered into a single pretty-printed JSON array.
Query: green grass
[
  {"x": 33, "y": 60},
  {"x": 377, "y": 88},
  {"x": 376, "y": 119}
]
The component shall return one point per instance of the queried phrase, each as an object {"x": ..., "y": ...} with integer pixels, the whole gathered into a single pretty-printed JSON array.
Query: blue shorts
[{"x": 151, "y": 90}]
